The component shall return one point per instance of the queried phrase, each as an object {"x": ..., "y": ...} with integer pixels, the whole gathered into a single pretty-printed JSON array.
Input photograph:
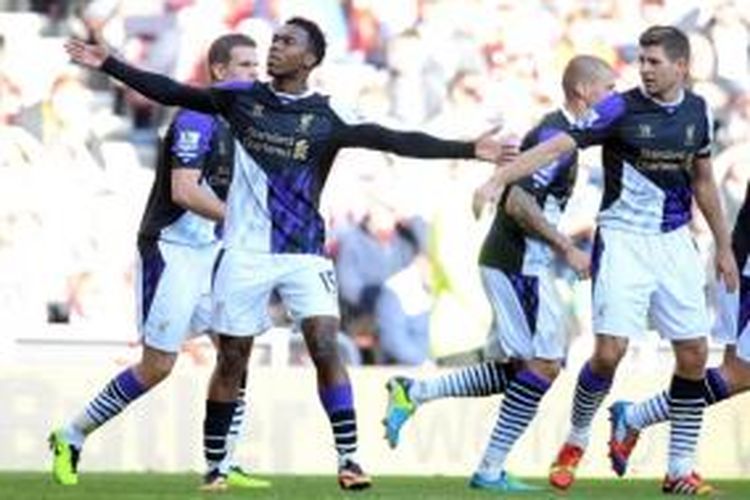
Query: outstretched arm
[
  {"x": 158, "y": 87},
  {"x": 527, "y": 162},
  {"x": 418, "y": 144}
]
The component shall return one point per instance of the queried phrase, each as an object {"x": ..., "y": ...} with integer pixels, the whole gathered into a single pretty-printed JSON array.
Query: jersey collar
[
  {"x": 673, "y": 104},
  {"x": 568, "y": 115},
  {"x": 284, "y": 97}
]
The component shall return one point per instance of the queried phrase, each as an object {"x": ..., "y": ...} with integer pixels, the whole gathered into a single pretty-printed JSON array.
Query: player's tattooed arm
[{"x": 522, "y": 207}]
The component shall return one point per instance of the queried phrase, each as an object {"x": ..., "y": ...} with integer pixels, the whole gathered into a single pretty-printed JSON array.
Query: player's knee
[
  {"x": 163, "y": 368},
  {"x": 155, "y": 366},
  {"x": 325, "y": 350},
  {"x": 229, "y": 362},
  {"x": 320, "y": 336},
  {"x": 548, "y": 369},
  {"x": 692, "y": 352},
  {"x": 607, "y": 356},
  {"x": 691, "y": 356},
  {"x": 232, "y": 358}
]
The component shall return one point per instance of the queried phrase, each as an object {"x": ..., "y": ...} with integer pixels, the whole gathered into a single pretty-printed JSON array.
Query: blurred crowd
[{"x": 77, "y": 150}]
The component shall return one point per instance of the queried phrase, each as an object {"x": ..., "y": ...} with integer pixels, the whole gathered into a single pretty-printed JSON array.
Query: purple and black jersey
[
  {"x": 288, "y": 144},
  {"x": 194, "y": 141},
  {"x": 648, "y": 153},
  {"x": 507, "y": 246}
]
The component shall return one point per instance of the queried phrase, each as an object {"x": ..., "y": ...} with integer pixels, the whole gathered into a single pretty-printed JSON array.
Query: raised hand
[{"x": 85, "y": 54}]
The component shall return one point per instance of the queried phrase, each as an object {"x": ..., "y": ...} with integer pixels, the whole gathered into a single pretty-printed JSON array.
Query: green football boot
[{"x": 65, "y": 459}]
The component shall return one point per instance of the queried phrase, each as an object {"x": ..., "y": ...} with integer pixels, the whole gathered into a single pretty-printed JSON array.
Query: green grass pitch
[{"x": 96, "y": 486}]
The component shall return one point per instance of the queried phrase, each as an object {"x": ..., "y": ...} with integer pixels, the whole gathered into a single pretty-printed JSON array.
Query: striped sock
[
  {"x": 656, "y": 409},
  {"x": 516, "y": 412},
  {"x": 648, "y": 412},
  {"x": 716, "y": 388},
  {"x": 591, "y": 390},
  {"x": 686, "y": 404},
  {"x": 484, "y": 379},
  {"x": 237, "y": 426},
  {"x": 116, "y": 395},
  {"x": 338, "y": 404},
  {"x": 215, "y": 433}
]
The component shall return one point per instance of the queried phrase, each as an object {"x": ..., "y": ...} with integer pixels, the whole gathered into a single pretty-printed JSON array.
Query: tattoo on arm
[{"x": 522, "y": 208}]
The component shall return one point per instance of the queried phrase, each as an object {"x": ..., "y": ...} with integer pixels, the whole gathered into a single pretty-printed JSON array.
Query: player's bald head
[{"x": 584, "y": 70}]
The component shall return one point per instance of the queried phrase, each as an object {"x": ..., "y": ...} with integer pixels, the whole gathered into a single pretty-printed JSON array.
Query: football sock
[
  {"x": 485, "y": 379},
  {"x": 215, "y": 430},
  {"x": 516, "y": 412},
  {"x": 590, "y": 391},
  {"x": 656, "y": 409},
  {"x": 337, "y": 401},
  {"x": 116, "y": 395},
  {"x": 238, "y": 424},
  {"x": 686, "y": 404}
]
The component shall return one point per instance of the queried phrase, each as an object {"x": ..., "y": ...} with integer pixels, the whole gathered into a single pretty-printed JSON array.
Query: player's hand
[
  {"x": 726, "y": 268},
  {"x": 579, "y": 261},
  {"x": 509, "y": 151},
  {"x": 89, "y": 55},
  {"x": 487, "y": 146}
]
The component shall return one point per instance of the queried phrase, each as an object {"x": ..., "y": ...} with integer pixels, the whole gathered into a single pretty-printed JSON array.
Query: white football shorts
[
  {"x": 173, "y": 284},
  {"x": 648, "y": 279},
  {"x": 243, "y": 283},
  {"x": 527, "y": 316}
]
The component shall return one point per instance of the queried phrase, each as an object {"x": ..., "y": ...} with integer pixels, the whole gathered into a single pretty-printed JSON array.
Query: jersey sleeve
[
  {"x": 599, "y": 122},
  {"x": 159, "y": 88},
  {"x": 706, "y": 141},
  {"x": 191, "y": 139},
  {"x": 543, "y": 177},
  {"x": 354, "y": 131},
  {"x": 224, "y": 95},
  {"x": 410, "y": 144}
]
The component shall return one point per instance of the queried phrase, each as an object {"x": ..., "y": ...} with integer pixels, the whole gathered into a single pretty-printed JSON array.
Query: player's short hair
[
  {"x": 583, "y": 69},
  {"x": 315, "y": 36},
  {"x": 674, "y": 42},
  {"x": 220, "y": 51}
]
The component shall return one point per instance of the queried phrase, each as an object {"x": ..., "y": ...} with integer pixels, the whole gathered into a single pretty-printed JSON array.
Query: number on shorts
[{"x": 329, "y": 281}]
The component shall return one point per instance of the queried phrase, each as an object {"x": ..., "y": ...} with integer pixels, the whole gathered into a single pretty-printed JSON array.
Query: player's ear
[
  {"x": 309, "y": 61},
  {"x": 580, "y": 89},
  {"x": 217, "y": 71},
  {"x": 683, "y": 65}
]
